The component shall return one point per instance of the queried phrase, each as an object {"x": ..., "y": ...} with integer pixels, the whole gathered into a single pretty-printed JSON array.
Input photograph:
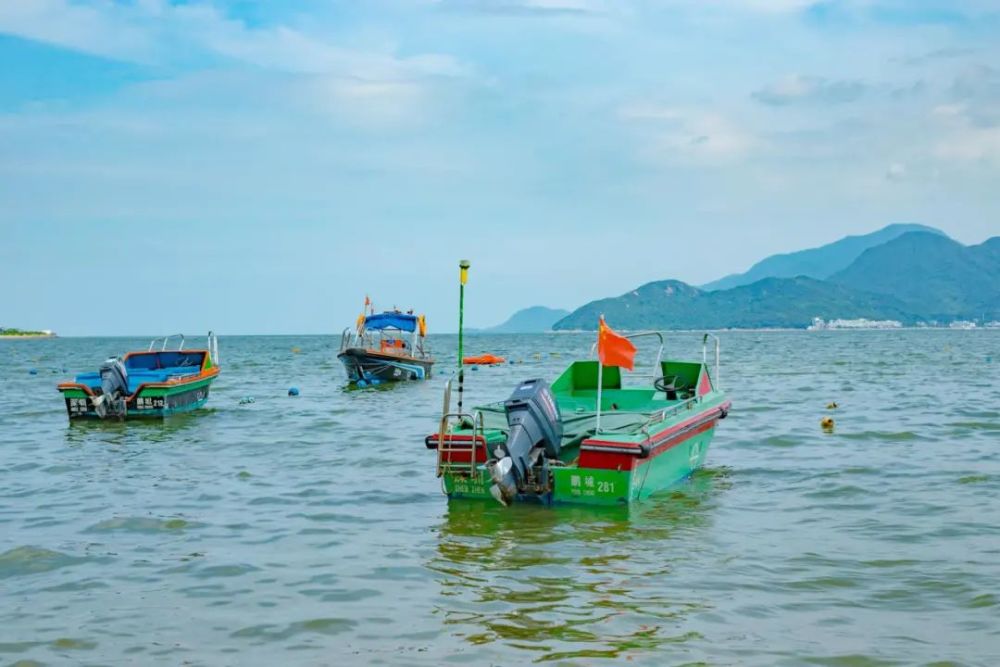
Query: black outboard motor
[
  {"x": 535, "y": 436},
  {"x": 114, "y": 388}
]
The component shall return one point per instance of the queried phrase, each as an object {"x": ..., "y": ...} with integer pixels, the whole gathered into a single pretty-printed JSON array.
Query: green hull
[
  {"x": 150, "y": 403},
  {"x": 597, "y": 486}
]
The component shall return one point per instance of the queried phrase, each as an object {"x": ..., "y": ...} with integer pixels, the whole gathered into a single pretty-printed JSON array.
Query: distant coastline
[{"x": 10, "y": 334}]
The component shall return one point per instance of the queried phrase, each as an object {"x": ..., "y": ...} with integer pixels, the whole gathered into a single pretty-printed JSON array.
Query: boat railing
[
  {"x": 716, "y": 382},
  {"x": 445, "y": 441},
  {"x": 669, "y": 411},
  {"x": 213, "y": 347},
  {"x": 659, "y": 353},
  {"x": 354, "y": 338},
  {"x": 364, "y": 339},
  {"x": 212, "y": 344},
  {"x": 165, "y": 340},
  {"x": 345, "y": 339}
]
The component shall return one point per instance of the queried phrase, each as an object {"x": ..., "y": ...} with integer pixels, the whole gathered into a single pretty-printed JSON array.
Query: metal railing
[
  {"x": 165, "y": 340},
  {"x": 662, "y": 414},
  {"x": 659, "y": 353},
  {"x": 213, "y": 347},
  {"x": 352, "y": 338},
  {"x": 642, "y": 334},
  {"x": 345, "y": 339},
  {"x": 716, "y": 382},
  {"x": 445, "y": 442},
  {"x": 212, "y": 344}
]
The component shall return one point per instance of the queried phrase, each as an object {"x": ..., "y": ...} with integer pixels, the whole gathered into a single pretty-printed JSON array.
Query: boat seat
[
  {"x": 160, "y": 360},
  {"x": 138, "y": 377}
]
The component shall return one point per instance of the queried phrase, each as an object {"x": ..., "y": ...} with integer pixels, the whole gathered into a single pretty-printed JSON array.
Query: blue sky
[{"x": 259, "y": 167}]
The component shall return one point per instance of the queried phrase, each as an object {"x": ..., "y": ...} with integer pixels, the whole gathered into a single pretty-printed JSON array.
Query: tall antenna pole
[{"x": 463, "y": 277}]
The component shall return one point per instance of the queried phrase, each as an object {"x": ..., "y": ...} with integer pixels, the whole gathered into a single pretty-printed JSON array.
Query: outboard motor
[
  {"x": 535, "y": 436},
  {"x": 114, "y": 388}
]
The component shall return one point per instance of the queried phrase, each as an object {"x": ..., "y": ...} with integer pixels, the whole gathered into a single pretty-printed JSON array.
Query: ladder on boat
[{"x": 464, "y": 448}]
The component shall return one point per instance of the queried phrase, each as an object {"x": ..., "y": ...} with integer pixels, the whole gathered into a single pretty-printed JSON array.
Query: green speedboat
[{"x": 586, "y": 438}]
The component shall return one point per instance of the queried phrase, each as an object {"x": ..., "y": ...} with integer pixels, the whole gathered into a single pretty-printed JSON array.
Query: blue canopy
[{"x": 401, "y": 321}]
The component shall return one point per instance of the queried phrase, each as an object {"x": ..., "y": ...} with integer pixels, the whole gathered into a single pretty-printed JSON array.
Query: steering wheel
[{"x": 670, "y": 383}]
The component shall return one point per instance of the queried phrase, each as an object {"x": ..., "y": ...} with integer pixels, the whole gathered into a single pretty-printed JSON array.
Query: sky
[{"x": 261, "y": 167}]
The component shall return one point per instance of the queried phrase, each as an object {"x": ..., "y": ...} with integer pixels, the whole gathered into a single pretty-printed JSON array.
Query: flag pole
[
  {"x": 600, "y": 377},
  {"x": 463, "y": 276}
]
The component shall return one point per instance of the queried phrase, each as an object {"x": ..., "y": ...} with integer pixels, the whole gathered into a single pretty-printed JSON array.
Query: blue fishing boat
[{"x": 386, "y": 347}]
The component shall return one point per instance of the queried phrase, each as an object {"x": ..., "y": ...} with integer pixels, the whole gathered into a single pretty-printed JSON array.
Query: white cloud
[
  {"x": 969, "y": 143},
  {"x": 768, "y": 6},
  {"x": 157, "y": 31},
  {"x": 809, "y": 89},
  {"x": 896, "y": 171},
  {"x": 969, "y": 129},
  {"x": 369, "y": 88},
  {"x": 530, "y": 7},
  {"x": 690, "y": 135},
  {"x": 99, "y": 30}
]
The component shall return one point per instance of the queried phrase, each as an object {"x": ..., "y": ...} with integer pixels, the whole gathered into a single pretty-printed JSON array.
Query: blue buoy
[
  {"x": 361, "y": 383},
  {"x": 475, "y": 368},
  {"x": 375, "y": 381},
  {"x": 293, "y": 391},
  {"x": 33, "y": 371}
]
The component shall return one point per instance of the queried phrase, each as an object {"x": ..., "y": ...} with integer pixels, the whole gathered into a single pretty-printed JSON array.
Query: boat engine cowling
[
  {"x": 114, "y": 389},
  {"x": 535, "y": 436}
]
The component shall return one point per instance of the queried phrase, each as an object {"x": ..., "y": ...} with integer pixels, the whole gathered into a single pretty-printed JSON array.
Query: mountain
[
  {"x": 821, "y": 262},
  {"x": 914, "y": 277},
  {"x": 771, "y": 302},
  {"x": 536, "y": 319},
  {"x": 933, "y": 276}
]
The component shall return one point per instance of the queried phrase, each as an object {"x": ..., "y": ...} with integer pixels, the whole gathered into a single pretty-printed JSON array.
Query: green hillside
[
  {"x": 933, "y": 276},
  {"x": 772, "y": 302},
  {"x": 914, "y": 277}
]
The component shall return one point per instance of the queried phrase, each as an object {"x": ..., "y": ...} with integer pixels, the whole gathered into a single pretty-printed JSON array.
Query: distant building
[{"x": 819, "y": 324}]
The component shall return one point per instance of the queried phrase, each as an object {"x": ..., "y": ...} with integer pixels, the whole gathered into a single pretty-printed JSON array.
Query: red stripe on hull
[{"x": 628, "y": 461}]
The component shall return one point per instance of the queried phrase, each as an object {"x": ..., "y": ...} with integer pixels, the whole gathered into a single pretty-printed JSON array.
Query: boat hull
[
  {"x": 667, "y": 465},
  {"x": 154, "y": 402},
  {"x": 373, "y": 367}
]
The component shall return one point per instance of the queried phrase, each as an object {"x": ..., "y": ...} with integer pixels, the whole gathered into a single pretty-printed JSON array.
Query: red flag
[
  {"x": 613, "y": 349},
  {"x": 368, "y": 301}
]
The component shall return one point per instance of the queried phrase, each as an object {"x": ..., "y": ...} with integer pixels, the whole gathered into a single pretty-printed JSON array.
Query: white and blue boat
[{"x": 386, "y": 347}]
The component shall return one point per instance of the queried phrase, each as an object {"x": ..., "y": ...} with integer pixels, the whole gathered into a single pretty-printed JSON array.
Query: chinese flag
[
  {"x": 614, "y": 349},
  {"x": 368, "y": 301}
]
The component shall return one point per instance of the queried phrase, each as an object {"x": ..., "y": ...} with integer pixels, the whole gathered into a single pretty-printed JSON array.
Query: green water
[{"x": 312, "y": 530}]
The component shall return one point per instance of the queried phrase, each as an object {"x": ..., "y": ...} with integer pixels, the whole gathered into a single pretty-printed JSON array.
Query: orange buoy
[{"x": 483, "y": 360}]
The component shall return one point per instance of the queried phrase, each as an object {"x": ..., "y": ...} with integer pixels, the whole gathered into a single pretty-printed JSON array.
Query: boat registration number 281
[{"x": 597, "y": 485}]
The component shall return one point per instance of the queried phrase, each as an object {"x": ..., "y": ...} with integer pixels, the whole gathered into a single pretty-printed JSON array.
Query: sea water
[{"x": 311, "y": 530}]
